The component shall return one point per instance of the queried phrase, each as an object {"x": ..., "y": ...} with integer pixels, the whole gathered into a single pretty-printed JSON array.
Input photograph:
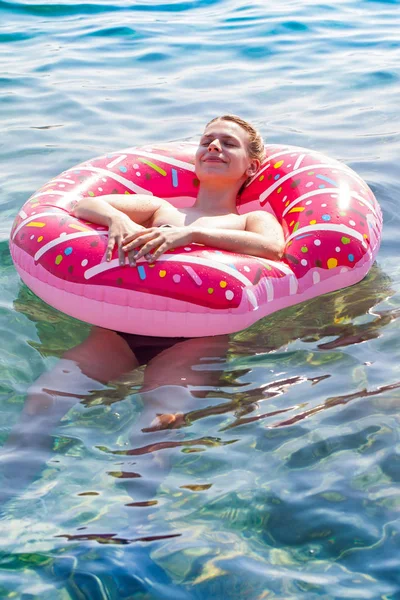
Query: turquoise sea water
[{"x": 284, "y": 480}]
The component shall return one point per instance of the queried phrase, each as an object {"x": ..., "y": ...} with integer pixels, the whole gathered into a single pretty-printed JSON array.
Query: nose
[{"x": 214, "y": 145}]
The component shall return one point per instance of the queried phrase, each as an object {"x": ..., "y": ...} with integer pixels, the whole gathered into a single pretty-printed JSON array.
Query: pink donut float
[{"x": 331, "y": 220}]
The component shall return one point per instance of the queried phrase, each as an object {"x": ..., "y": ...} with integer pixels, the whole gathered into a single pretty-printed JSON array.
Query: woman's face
[{"x": 222, "y": 154}]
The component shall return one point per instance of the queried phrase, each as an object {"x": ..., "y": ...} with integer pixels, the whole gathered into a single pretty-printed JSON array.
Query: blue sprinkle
[
  {"x": 322, "y": 186},
  {"x": 122, "y": 169},
  {"x": 326, "y": 217},
  {"x": 68, "y": 251},
  {"x": 142, "y": 272},
  {"x": 174, "y": 177},
  {"x": 324, "y": 178},
  {"x": 351, "y": 257},
  {"x": 276, "y": 177}
]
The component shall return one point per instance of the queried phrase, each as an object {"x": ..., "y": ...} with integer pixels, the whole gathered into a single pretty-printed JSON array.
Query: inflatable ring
[{"x": 330, "y": 217}]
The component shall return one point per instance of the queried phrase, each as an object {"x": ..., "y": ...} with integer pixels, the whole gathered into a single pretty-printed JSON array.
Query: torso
[{"x": 184, "y": 217}]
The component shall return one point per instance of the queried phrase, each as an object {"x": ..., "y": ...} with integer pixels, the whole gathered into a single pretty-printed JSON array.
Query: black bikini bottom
[{"x": 145, "y": 348}]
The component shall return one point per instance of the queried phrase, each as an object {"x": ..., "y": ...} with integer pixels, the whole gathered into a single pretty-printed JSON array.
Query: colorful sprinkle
[
  {"x": 78, "y": 227},
  {"x": 68, "y": 251},
  {"x": 142, "y": 272},
  {"x": 210, "y": 290},
  {"x": 176, "y": 278},
  {"x": 296, "y": 209},
  {"x": 223, "y": 284},
  {"x": 229, "y": 295},
  {"x": 277, "y": 177},
  {"x": 278, "y": 164},
  {"x": 278, "y": 191},
  {"x": 122, "y": 169},
  {"x": 40, "y": 238},
  {"x": 345, "y": 240},
  {"x": 84, "y": 262},
  {"x": 91, "y": 194},
  {"x": 193, "y": 275},
  {"x": 332, "y": 263},
  {"x": 351, "y": 257},
  {"x": 58, "y": 259},
  {"x": 324, "y": 178},
  {"x": 174, "y": 173},
  {"x": 304, "y": 249},
  {"x": 317, "y": 242},
  {"x": 153, "y": 166},
  {"x": 261, "y": 178},
  {"x": 326, "y": 217},
  {"x": 36, "y": 224},
  {"x": 162, "y": 273}
]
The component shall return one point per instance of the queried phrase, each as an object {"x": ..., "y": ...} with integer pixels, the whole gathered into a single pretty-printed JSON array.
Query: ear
[{"x": 253, "y": 167}]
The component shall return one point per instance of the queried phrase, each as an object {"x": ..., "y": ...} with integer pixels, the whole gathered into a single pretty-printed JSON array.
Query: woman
[{"x": 229, "y": 154}]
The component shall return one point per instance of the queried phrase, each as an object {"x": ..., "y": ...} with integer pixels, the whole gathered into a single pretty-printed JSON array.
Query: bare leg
[{"x": 103, "y": 356}]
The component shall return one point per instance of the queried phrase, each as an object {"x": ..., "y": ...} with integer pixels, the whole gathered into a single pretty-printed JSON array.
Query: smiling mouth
[{"x": 214, "y": 160}]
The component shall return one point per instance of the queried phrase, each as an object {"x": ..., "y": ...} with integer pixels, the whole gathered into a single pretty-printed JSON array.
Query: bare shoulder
[{"x": 261, "y": 220}]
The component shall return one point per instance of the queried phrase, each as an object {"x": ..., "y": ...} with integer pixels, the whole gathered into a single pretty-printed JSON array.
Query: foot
[{"x": 166, "y": 421}]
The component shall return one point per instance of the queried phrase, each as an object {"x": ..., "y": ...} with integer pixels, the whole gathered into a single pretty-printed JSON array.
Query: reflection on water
[{"x": 185, "y": 464}]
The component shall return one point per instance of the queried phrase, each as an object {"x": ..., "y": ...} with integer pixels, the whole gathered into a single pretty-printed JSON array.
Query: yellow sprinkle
[
  {"x": 223, "y": 284},
  {"x": 58, "y": 259},
  {"x": 365, "y": 236},
  {"x": 210, "y": 290},
  {"x": 313, "y": 222},
  {"x": 126, "y": 192},
  {"x": 40, "y": 238},
  {"x": 291, "y": 223},
  {"x": 36, "y": 224},
  {"x": 162, "y": 273},
  {"x": 332, "y": 263},
  {"x": 261, "y": 178},
  {"x": 287, "y": 203},
  {"x": 91, "y": 193},
  {"x": 297, "y": 209},
  {"x": 34, "y": 205},
  {"x": 278, "y": 164},
  {"x": 278, "y": 191},
  {"x": 151, "y": 266},
  {"x": 153, "y": 166},
  {"x": 79, "y": 227}
]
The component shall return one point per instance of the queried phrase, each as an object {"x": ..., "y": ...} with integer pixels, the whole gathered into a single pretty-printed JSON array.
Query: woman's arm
[
  {"x": 139, "y": 208},
  {"x": 123, "y": 214},
  {"x": 263, "y": 237}
]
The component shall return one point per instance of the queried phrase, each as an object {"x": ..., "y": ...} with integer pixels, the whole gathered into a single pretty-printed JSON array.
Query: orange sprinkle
[
  {"x": 332, "y": 263},
  {"x": 162, "y": 273}
]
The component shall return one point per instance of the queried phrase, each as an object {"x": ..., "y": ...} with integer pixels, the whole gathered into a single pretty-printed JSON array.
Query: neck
[{"x": 216, "y": 200}]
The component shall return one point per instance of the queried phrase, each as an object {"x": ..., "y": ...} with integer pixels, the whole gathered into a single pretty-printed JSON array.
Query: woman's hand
[
  {"x": 155, "y": 241},
  {"x": 121, "y": 227}
]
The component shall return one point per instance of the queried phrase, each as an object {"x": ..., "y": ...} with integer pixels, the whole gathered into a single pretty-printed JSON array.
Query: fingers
[
  {"x": 151, "y": 245},
  {"x": 160, "y": 250},
  {"x": 110, "y": 247},
  {"x": 138, "y": 238}
]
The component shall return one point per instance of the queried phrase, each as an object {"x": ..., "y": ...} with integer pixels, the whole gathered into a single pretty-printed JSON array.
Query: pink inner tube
[{"x": 331, "y": 219}]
